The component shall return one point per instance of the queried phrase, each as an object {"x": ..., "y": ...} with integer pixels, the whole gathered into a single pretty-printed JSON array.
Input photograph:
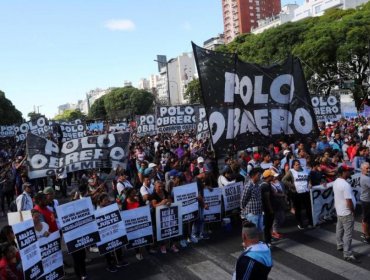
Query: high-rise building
[{"x": 241, "y": 15}]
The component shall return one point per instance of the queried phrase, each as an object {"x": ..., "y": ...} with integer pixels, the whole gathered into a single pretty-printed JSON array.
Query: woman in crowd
[
  {"x": 296, "y": 180},
  {"x": 41, "y": 228},
  {"x": 10, "y": 263},
  {"x": 161, "y": 197}
]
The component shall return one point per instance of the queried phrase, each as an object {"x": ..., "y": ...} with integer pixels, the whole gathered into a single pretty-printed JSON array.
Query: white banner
[
  {"x": 112, "y": 229},
  {"x": 168, "y": 221},
  {"x": 187, "y": 197},
  {"x": 212, "y": 198},
  {"x": 52, "y": 257},
  {"x": 29, "y": 249},
  {"x": 78, "y": 224},
  {"x": 231, "y": 196},
  {"x": 322, "y": 199},
  {"x": 138, "y": 223}
]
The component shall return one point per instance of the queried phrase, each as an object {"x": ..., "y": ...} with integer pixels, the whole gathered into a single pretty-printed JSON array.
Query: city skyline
[{"x": 54, "y": 53}]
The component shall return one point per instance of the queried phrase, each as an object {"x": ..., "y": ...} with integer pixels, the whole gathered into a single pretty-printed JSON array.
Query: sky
[{"x": 54, "y": 52}]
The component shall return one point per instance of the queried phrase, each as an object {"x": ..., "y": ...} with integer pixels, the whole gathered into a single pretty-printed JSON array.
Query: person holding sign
[
  {"x": 41, "y": 228},
  {"x": 114, "y": 259},
  {"x": 161, "y": 197},
  {"x": 296, "y": 180}
]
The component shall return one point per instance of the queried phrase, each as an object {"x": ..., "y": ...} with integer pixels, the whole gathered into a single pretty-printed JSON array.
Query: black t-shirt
[
  {"x": 266, "y": 190},
  {"x": 157, "y": 198}
]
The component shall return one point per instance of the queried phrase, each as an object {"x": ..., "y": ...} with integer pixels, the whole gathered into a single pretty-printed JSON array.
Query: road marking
[
  {"x": 280, "y": 271},
  {"x": 207, "y": 270},
  {"x": 328, "y": 236},
  {"x": 326, "y": 261}
]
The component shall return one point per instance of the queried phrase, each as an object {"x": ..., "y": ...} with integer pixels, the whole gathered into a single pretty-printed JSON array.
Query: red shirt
[
  {"x": 49, "y": 218},
  {"x": 132, "y": 205}
]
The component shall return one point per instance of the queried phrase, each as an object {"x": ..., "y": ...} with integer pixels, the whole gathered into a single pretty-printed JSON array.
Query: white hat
[
  {"x": 200, "y": 159},
  {"x": 286, "y": 152},
  {"x": 151, "y": 165}
]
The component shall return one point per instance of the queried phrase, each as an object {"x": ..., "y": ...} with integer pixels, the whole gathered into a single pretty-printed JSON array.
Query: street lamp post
[{"x": 168, "y": 81}]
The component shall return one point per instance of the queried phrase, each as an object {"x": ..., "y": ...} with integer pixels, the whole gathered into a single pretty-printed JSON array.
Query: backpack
[{"x": 13, "y": 205}]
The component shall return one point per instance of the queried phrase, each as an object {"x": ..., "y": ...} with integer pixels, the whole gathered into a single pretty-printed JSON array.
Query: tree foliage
[
  {"x": 70, "y": 115},
  {"x": 332, "y": 48},
  {"x": 8, "y": 113},
  {"x": 193, "y": 92},
  {"x": 122, "y": 103},
  {"x": 97, "y": 109}
]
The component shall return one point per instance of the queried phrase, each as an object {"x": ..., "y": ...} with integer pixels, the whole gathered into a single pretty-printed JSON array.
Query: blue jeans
[
  {"x": 257, "y": 220},
  {"x": 198, "y": 226}
]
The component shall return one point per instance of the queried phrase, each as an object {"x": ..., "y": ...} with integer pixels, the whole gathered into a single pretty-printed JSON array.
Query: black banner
[
  {"x": 250, "y": 105},
  {"x": 202, "y": 126},
  {"x": 46, "y": 158},
  {"x": 146, "y": 125},
  {"x": 38, "y": 127},
  {"x": 168, "y": 221},
  {"x": 326, "y": 108},
  {"x": 176, "y": 118}
]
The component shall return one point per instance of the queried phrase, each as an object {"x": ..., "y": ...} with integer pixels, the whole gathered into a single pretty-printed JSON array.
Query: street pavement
[
  {"x": 302, "y": 254},
  {"x": 307, "y": 254}
]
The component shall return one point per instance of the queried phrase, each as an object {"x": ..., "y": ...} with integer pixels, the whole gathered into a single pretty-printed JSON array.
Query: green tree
[
  {"x": 8, "y": 113},
  {"x": 70, "y": 115},
  {"x": 97, "y": 110},
  {"x": 127, "y": 102},
  {"x": 34, "y": 115},
  {"x": 332, "y": 48},
  {"x": 193, "y": 92}
]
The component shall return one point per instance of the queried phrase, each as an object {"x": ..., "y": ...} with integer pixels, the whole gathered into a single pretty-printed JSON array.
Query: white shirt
[
  {"x": 146, "y": 190},
  {"x": 121, "y": 186},
  {"x": 342, "y": 191},
  {"x": 222, "y": 181},
  {"x": 24, "y": 202},
  {"x": 45, "y": 228},
  {"x": 300, "y": 180}
]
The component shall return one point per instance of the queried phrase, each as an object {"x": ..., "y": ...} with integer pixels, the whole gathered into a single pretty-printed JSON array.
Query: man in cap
[
  {"x": 24, "y": 200},
  {"x": 200, "y": 168},
  {"x": 345, "y": 205}
]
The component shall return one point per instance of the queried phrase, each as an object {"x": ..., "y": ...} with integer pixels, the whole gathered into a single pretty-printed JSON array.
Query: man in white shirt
[
  {"x": 345, "y": 205},
  {"x": 24, "y": 200},
  {"x": 123, "y": 183},
  {"x": 146, "y": 190}
]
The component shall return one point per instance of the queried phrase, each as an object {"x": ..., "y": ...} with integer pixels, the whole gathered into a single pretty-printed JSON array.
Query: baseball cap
[
  {"x": 344, "y": 168},
  {"x": 286, "y": 152},
  {"x": 200, "y": 159},
  {"x": 256, "y": 156},
  {"x": 48, "y": 190},
  {"x": 268, "y": 173},
  {"x": 151, "y": 165}
]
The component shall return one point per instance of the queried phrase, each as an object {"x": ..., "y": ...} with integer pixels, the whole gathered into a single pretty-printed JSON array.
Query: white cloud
[
  {"x": 186, "y": 26},
  {"x": 120, "y": 25}
]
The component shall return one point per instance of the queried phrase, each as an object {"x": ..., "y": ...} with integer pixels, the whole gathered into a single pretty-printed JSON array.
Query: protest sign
[
  {"x": 112, "y": 229},
  {"x": 212, "y": 198},
  {"x": 46, "y": 158},
  {"x": 38, "y": 127},
  {"x": 77, "y": 221},
  {"x": 18, "y": 217},
  {"x": 29, "y": 249},
  {"x": 176, "y": 118},
  {"x": 248, "y": 105},
  {"x": 326, "y": 107},
  {"x": 139, "y": 228},
  {"x": 52, "y": 257},
  {"x": 231, "y": 196},
  {"x": 7, "y": 131},
  {"x": 187, "y": 197},
  {"x": 146, "y": 125},
  {"x": 322, "y": 199},
  {"x": 168, "y": 221},
  {"x": 202, "y": 126}
]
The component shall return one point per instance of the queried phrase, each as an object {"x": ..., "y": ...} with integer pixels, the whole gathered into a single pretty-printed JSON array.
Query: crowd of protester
[{"x": 277, "y": 179}]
